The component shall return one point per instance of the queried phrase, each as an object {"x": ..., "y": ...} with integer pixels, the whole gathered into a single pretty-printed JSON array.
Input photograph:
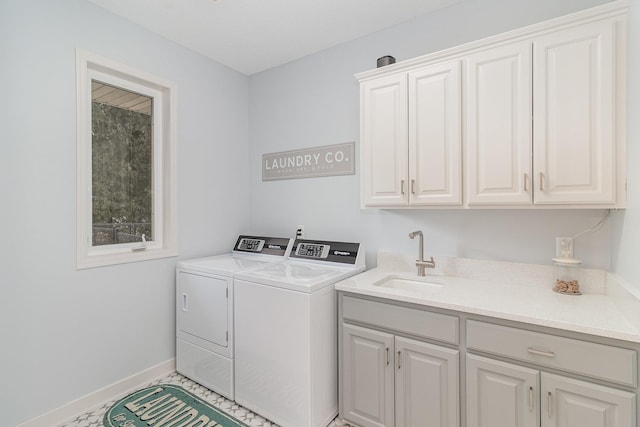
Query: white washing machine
[
  {"x": 286, "y": 333},
  {"x": 204, "y": 309}
]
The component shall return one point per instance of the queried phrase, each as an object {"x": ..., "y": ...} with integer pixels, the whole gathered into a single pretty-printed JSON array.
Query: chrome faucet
[{"x": 421, "y": 263}]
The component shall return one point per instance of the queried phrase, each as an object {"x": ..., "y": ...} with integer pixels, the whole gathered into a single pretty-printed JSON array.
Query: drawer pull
[
  {"x": 530, "y": 398},
  {"x": 541, "y": 353}
]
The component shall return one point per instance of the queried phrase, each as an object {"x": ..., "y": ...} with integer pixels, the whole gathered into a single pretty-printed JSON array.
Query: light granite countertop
[{"x": 511, "y": 291}]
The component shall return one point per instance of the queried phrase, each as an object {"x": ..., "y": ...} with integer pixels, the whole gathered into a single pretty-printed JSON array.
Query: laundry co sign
[{"x": 310, "y": 162}]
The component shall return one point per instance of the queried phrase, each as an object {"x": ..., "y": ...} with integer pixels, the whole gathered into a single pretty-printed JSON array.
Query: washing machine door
[{"x": 202, "y": 307}]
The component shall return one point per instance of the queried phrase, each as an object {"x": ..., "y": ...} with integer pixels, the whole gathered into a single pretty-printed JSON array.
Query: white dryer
[
  {"x": 205, "y": 309},
  {"x": 286, "y": 333}
]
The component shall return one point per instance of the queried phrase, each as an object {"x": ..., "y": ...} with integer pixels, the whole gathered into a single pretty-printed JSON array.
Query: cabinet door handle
[
  {"x": 541, "y": 353},
  {"x": 185, "y": 302},
  {"x": 530, "y": 398},
  {"x": 398, "y": 360},
  {"x": 413, "y": 186},
  {"x": 541, "y": 181},
  {"x": 549, "y": 404},
  {"x": 387, "y": 356},
  {"x": 526, "y": 178},
  {"x": 402, "y": 186}
]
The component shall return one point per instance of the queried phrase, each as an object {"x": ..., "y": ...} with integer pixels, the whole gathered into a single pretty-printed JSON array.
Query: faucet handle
[{"x": 428, "y": 264}]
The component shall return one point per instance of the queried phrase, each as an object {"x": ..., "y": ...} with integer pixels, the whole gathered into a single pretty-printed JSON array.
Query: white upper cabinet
[
  {"x": 574, "y": 137},
  {"x": 411, "y": 139},
  {"x": 435, "y": 160},
  {"x": 541, "y": 120},
  {"x": 384, "y": 132},
  {"x": 534, "y": 118},
  {"x": 498, "y": 125}
]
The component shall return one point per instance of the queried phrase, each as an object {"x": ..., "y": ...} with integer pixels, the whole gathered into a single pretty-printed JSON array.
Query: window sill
[{"x": 123, "y": 256}]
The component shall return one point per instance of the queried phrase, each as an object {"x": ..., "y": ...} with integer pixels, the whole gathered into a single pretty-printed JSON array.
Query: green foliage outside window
[{"x": 122, "y": 202}]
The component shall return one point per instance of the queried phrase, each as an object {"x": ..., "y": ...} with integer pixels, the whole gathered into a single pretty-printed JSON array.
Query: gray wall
[
  {"x": 67, "y": 333},
  {"x": 314, "y": 101}
]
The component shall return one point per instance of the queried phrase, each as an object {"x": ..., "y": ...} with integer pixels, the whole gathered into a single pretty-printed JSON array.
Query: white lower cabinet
[
  {"x": 501, "y": 394},
  {"x": 426, "y": 384},
  {"x": 572, "y": 403},
  {"x": 512, "y": 374},
  {"x": 367, "y": 390},
  {"x": 389, "y": 380}
]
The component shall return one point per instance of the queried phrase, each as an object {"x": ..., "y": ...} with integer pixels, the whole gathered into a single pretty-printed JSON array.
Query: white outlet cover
[{"x": 564, "y": 247}]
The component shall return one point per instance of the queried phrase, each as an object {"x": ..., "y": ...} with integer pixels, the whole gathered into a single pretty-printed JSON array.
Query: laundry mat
[{"x": 166, "y": 405}]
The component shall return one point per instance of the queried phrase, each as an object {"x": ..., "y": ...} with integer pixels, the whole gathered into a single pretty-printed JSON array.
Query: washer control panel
[
  {"x": 312, "y": 250},
  {"x": 324, "y": 251}
]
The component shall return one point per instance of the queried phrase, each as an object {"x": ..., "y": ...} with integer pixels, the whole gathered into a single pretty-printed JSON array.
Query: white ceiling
[{"x": 254, "y": 35}]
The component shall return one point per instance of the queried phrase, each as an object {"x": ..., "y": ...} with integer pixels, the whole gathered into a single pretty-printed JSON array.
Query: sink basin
[{"x": 410, "y": 283}]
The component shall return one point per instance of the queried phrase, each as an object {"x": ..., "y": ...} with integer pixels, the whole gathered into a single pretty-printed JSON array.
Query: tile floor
[{"x": 94, "y": 417}]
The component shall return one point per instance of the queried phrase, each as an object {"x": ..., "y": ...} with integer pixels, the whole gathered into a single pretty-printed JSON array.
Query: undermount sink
[{"x": 410, "y": 283}]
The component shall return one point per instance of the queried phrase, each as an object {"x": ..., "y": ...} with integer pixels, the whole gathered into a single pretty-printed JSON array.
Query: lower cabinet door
[
  {"x": 573, "y": 403},
  {"x": 367, "y": 384},
  {"x": 500, "y": 394},
  {"x": 426, "y": 385}
]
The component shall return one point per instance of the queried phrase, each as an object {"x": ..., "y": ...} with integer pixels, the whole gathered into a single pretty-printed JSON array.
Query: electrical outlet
[
  {"x": 300, "y": 232},
  {"x": 564, "y": 247}
]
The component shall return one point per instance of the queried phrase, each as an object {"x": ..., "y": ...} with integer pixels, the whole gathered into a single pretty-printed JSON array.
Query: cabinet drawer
[
  {"x": 581, "y": 357},
  {"x": 402, "y": 319}
]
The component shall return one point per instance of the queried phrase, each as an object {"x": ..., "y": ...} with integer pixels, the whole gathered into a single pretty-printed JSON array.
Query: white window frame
[{"x": 164, "y": 219}]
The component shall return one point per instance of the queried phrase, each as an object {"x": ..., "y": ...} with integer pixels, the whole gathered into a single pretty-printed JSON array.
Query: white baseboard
[{"x": 98, "y": 397}]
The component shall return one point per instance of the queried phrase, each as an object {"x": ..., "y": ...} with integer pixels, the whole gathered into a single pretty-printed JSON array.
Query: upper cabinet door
[
  {"x": 574, "y": 129},
  {"x": 539, "y": 115},
  {"x": 498, "y": 100},
  {"x": 435, "y": 135},
  {"x": 384, "y": 143}
]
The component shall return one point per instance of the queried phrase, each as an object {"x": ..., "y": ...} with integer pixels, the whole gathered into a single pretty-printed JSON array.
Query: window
[{"x": 126, "y": 164}]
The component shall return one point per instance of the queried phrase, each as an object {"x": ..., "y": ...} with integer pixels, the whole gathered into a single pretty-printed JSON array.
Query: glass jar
[{"x": 567, "y": 274}]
